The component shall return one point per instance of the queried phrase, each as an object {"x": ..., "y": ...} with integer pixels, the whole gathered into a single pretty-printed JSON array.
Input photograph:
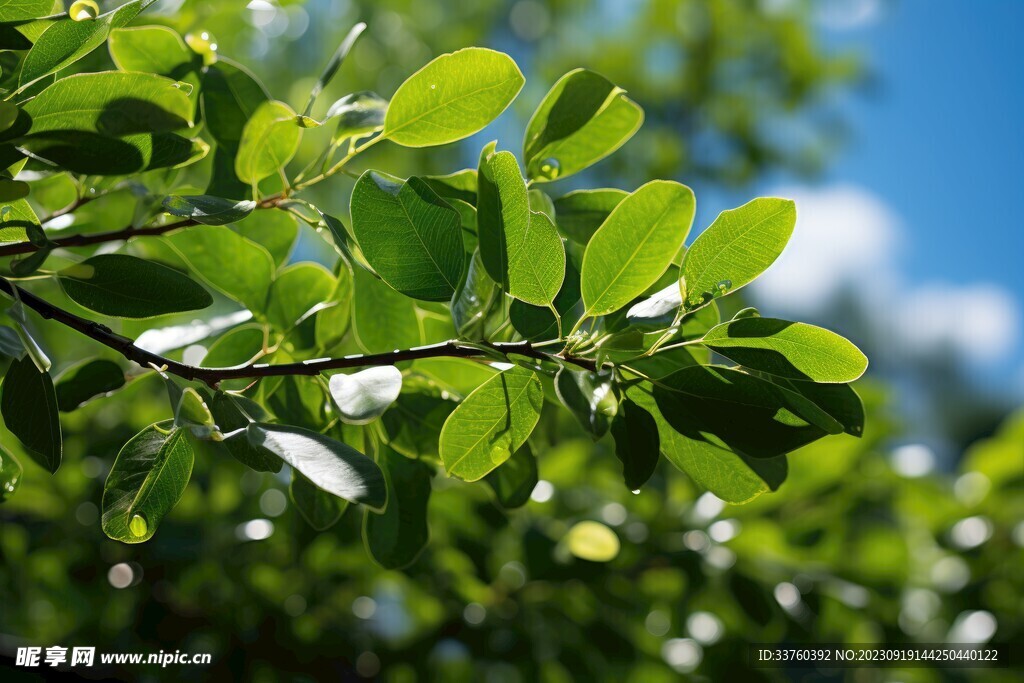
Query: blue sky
[{"x": 918, "y": 213}]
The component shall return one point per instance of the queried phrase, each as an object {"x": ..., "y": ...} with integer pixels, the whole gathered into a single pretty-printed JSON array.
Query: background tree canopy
[{"x": 492, "y": 495}]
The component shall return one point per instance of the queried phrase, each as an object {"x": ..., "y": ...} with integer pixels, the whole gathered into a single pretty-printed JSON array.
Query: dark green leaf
[
  {"x": 146, "y": 481},
  {"x": 320, "y": 509},
  {"x": 580, "y": 213},
  {"x": 838, "y": 400},
  {"x": 589, "y": 396},
  {"x": 452, "y": 97},
  {"x": 331, "y": 465},
  {"x": 409, "y": 235},
  {"x": 396, "y": 537},
  {"x": 737, "y": 411},
  {"x": 583, "y": 119},
  {"x": 414, "y": 421},
  {"x": 636, "y": 443},
  {"x": 459, "y": 185},
  {"x": 128, "y": 287},
  {"x": 537, "y": 323},
  {"x": 29, "y": 407},
  {"x": 230, "y": 95},
  {"x": 515, "y": 479},
  {"x": 233, "y": 413},
  {"x": 474, "y": 299},
  {"x": 87, "y": 381}
]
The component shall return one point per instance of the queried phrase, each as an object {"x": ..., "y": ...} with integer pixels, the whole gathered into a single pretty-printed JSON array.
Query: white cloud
[
  {"x": 844, "y": 235},
  {"x": 848, "y": 240}
]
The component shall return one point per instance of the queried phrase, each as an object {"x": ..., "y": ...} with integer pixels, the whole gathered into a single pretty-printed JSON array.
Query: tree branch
[{"x": 211, "y": 376}]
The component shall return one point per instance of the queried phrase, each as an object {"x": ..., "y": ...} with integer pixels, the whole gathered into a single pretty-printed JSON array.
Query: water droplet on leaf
[
  {"x": 138, "y": 526},
  {"x": 203, "y": 44},
  {"x": 550, "y": 168},
  {"x": 84, "y": 10}
]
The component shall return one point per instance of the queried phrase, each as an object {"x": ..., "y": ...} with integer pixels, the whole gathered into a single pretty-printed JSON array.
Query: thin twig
[{"x": 211, "y": 376}]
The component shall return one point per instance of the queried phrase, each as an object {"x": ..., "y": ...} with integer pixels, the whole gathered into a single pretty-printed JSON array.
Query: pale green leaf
[
  {"x": 269, "y": 141},
  {"x": 383, "y": 319},
  {"x": 228, "y": 262},
  {"x": 491, "y": 423},
  {"x": 452, "y": 97},
  {"x": 363, "y": 396},
  {"x": 787, "y": 349},
  {"x": 635, "y": 245},
  {"x": 737, "y": 247},
  {"x": 297, "y": 292},
  {"x": 151, "y": 49},
  {"x": 583, "y": 119}
]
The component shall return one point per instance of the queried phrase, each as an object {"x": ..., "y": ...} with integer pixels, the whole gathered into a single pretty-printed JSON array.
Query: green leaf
[
  {"x": 28, "y": 404},
  {"x": 363, "y": 396},
  {"x": 496, "y": 204},
  {"x": 736, "y": 248},
  {"x": 296, "y": 292},
  {"x": 66, "y": 41},
  {"x": 583, "y": 119},
  {"x": 21, "y": 10},
  {"x": 87, "y": 381},
  {"x": 10, "y": 343},
  {"x": 13, "y": 190},
  {"x": 320, "y": 509},
  {"x": 396, "y": 537},
  {"x": 18, "y": 223},
  {"x": 838, "y": 400},
  {"x": 732, "y": 477},
  {"x": 233, "y": 413},
  {"x": 786, "y": 349},
  {"x": 358, "y": 115},
  {"x": 10, "y": 474},
  {"x": 382, "y": 319},
  {"x": 230, "y": 95},
  {"x": 331, "y": 465},
  {"x": 589, "y": 396},
  {"x": 151, "y": 49},
  {"x": 536, "y": 261},
  {"x": 731, "y": 409},
  {"x": 409, "y": 235},
  {"x": 146, "y": 481},
  {"x": 334, "y": 64},
  {"x": 111, "y": 103},
  {"x": 452, "y": 97},
  {"x": 460, "y": 185},
  {"x": 635, "y": 245},
  {"x": 94, "y": 154},
  {"x": 415, "y": 419},
  {"x": 332, "y": 323},
  {"x": 514, "y": 480},
  {"x": 274, "y": 230},
  {"x": 537, "y": 323},
  {"x": 240, "y": 346},
  {"x": 636, "y": 443},
  {"x": 269, "y": 141},
  {"x": 208, "y": 210},
  {"x": 127, "y": 287},
  {"x": 491, "y": 423},
  {"x": 228, "y": 262},
  {"x": 474, "y": 299}
]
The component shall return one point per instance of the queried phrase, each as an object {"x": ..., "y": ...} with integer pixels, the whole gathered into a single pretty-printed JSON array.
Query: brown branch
[{"x": 211, "y": 376}]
